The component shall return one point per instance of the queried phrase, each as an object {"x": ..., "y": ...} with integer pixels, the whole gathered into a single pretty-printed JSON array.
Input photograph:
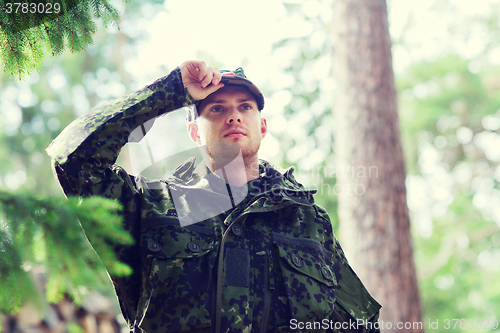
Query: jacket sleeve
[
  {"x": 84, "y": 155},
  {"x": 92, "y": 142},
  {"x": 355, "y": 309},
  {"x": 355, "y": 304}
]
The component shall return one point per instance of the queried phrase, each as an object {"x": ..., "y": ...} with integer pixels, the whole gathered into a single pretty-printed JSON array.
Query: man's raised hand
[{"x": 200, "y": 79}]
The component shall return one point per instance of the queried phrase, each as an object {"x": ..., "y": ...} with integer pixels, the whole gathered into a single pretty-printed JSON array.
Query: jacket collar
[
  {"x": 199, "y": 194},
  {"x": 188, "y": 175}
]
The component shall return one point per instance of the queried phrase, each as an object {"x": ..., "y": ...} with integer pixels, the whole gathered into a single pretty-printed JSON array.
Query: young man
[{"x": 233, "y": 245}]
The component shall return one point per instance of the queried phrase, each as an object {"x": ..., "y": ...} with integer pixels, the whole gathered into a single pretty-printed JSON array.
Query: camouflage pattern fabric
[{"x": 269, "y": 264}]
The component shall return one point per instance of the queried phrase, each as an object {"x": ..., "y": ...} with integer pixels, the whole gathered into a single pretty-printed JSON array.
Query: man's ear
[
  {"x": 194, "y": 133},
  {"x": 263, "y": 127}
]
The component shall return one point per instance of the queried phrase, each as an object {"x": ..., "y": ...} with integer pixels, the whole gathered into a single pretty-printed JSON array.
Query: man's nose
[{"x": 234, "y": 116}]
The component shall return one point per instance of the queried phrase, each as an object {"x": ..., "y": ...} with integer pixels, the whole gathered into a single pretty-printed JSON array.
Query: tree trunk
[{"x": 374, "y": 221}]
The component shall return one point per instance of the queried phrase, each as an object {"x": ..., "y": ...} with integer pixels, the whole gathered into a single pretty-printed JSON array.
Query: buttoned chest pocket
[
  {"x": 180, "y": 261},
  {"x": 307, "y": 279}
]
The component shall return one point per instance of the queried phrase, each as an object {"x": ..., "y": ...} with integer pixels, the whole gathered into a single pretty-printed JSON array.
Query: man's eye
[
  {"x": 216, "y": 109},
  {"x": 246, "y": 106}
]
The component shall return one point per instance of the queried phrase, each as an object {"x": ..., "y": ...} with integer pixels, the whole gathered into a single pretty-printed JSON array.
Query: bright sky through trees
[
  {"x": 230, "y": 34},
  {"x": 243, "y": 33}
]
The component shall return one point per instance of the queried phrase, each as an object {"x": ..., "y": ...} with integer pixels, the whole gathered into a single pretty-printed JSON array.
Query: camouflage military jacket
[{"x": 269, "y": 264}]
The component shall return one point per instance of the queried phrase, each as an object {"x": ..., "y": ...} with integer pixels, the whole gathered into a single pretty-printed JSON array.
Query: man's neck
[
  {"x": 228, "y": 161},
  {"x": 239, "y": 171}
]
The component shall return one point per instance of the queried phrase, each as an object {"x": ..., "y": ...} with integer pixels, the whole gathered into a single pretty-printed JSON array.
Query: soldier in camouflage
[{"x": 222, "y": 246}]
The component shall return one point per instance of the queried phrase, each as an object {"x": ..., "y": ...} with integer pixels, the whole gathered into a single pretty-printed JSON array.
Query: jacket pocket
[
  {"x": 175, "y": 295},
  {"x": 307, "y": 278}
]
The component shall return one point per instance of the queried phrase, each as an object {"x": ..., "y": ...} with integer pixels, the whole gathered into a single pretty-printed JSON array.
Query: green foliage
[
  {"x": 442, "y": 88},
  {"x": 74, "y": 328},
  {"x": 25, "y": 35},
  {"x": 48, "y": 231},
  {"x": 310, "y": 106},
  {"x": 458, "y": 249},
  {"x": 26, "y": 167}
]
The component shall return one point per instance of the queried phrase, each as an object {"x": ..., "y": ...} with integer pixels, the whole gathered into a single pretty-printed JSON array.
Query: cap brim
[{"x": 233, "y": 80}]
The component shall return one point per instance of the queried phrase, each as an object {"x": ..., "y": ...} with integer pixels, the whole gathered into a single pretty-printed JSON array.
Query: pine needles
[
  {"x": 48, "y": 231},
  {"x": 25, "y": 30}
]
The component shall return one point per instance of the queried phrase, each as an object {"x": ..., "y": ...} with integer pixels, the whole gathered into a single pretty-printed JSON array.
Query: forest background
[{"x": 447, "y": 68}]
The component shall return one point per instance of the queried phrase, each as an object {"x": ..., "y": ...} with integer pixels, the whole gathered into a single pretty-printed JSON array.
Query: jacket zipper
[
  {"x": 268, "y": 290},
  {"x": 213, "y": 305},
  {"x": 220, "y": 270},
  {"x": 218, "y": 310}
]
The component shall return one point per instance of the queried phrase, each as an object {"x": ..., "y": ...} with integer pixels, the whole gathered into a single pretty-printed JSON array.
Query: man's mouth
[{"x": 234, "y": 134}]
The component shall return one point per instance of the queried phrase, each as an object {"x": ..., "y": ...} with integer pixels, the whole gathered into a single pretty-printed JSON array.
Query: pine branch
[
  {"x": 49, "y": 231},
  {"x": 24, "y": 35}
]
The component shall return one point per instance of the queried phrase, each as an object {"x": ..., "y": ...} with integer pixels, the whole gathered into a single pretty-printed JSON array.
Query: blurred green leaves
[
  {"x": 48, "y": 231},
  {"x": 450, "y": 119}
]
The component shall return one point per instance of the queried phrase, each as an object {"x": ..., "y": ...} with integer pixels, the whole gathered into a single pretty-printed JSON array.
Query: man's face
[{"x": 230, "y": 115}]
